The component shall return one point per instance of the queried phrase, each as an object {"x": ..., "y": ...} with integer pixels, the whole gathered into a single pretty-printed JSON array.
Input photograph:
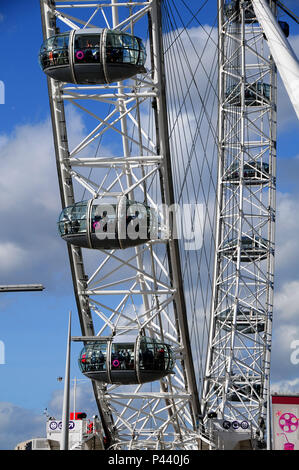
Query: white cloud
[
  {"x": 287, "y": 228},
  {"x": 285, "y": 387},
  {"x": 27, "y": 168},
  {"x": 30, "y": 203},
  {"x": 85, "y": 401},
  {"x": 286, "y": 298},
  {"x": 284, "y": 335},
  {"x": 285, "y": 332},
  {"x": 18, "y": 424},
  {"x": 28, "y": 180},
  {"x": 12, "y": 256},
  {"x": 287, "y": 302}
]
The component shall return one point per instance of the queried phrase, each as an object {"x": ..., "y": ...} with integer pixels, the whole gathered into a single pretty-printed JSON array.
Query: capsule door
[
  {"x": 134, "y": 219},
  {"x": 87, "y": 60},
  {"x": 103, "y": 226},
  {"x": 123, "y": 363}
]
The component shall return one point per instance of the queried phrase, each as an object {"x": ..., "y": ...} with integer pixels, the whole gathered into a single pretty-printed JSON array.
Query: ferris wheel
[{"x": 175, "y": 314}]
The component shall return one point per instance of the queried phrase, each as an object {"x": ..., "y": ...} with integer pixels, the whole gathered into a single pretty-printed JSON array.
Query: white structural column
[
  {"x": 236, "y": 386},
  {"x": 281, "y": 50}
]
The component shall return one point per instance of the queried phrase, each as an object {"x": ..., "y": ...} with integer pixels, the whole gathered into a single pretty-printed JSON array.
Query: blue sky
[{"x": 33, "y": 326}]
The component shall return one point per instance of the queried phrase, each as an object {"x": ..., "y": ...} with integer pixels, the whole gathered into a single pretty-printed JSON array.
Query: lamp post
[
  {"x": 17, "y": 288},
  {"x": 22, "y": 288},
  {"x": 66, "y": 394}
]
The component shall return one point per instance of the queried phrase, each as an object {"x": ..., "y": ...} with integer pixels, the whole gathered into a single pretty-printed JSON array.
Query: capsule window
[
  {"x": 113, "y": 48},
  {"x": 103, "y": 220},
  {"x": 127, "y": 41},
  {"x": 246, "y": 243},
  {"x": 137, "y": 221},
  {"x": 163, "y": 358},
  {"x": 154, "y": 356},
  {"x": 61, "y": 41},
  {"x": 124, "y": 48},
  {"x": 146, "y": 355},
  {"x": 120, "y": 362},
  {"x": 87, "y": 48},
  {"x": 116, "y": 55},
  {"x": 142, "y": 53},
  {"x": 54, "y": 51},
  {"x": 122, "y": 356},
  {"x": 73, "y": 219},
  {"x": 93, "y": 357}
]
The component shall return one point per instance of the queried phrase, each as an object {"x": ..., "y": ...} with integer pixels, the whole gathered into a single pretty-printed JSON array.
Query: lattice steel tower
[{"x": 237, "y": 371}]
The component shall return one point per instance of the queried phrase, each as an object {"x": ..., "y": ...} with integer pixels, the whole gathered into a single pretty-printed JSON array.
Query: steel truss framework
[
  {"x": 238, "y": 361},
  {"x": 133, "y": 290}
]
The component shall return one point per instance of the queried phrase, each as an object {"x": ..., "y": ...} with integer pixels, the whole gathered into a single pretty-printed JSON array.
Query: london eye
[{"x": 168, "y": 209}]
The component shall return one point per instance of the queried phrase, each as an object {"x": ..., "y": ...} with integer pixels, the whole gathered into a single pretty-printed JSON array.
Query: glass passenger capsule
[
  {"x": 126, "y": 360},
  {"x": 120, "y": 225},
  {"x": 232, "y": 11},
  {"x": 94, "y": 56},
  {"x": 253, "y": 173},
  {"x": 252, "y": 248},
  {"x": 256, "y": 94},
  {"x": 244, "y": 392},
  {"x": 248, "y": 320}
]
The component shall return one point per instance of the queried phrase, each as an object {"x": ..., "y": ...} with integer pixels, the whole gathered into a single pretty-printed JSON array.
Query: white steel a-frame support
[
  {"x": 237, "y": 375},
  {"x": 283, "y": 55}
]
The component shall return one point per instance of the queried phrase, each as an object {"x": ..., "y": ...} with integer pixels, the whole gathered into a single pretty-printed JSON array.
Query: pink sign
[{"x": 285, "y": 412}]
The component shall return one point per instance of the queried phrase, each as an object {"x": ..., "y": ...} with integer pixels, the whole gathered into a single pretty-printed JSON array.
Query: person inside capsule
[
  {"x": 87, "y": 49},
  {"x": 122, "y": 357},
  {"x": 97, "y": 224},
  {"x": 113, "y": 54}
]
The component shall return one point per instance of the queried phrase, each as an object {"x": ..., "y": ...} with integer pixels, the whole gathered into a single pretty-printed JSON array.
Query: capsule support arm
[{"x": 91, "y": 338}]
